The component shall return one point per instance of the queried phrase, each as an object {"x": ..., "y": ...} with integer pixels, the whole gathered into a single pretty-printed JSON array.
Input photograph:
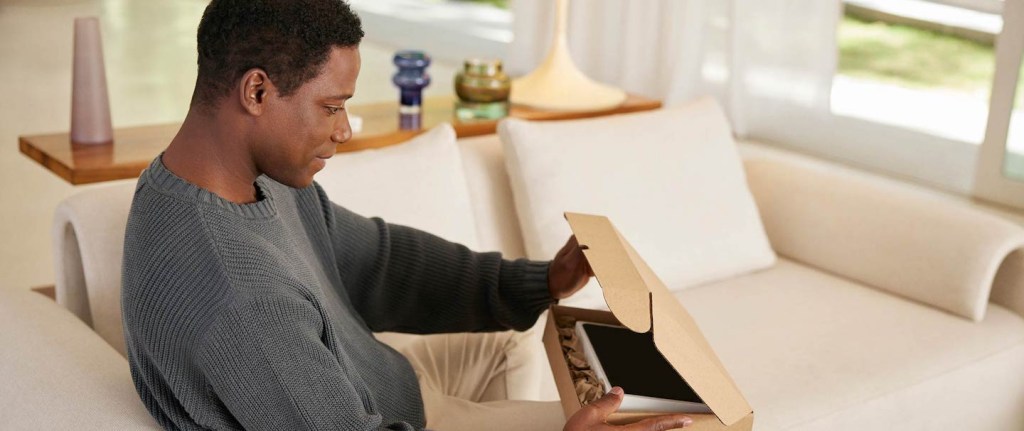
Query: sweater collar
[{"x": 165, "y": 180}]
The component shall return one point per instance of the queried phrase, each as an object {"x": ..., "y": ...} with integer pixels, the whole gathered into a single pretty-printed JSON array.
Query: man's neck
[{"x": 210, "y": 151}]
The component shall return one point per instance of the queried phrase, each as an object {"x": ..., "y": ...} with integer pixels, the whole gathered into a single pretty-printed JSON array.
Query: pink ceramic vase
[{"x": 90, "y": 104}]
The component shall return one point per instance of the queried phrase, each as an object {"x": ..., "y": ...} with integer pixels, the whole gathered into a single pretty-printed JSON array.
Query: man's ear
[{"x": 254, "y": 89}]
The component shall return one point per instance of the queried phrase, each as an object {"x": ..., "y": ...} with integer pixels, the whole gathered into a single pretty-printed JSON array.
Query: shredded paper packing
[{"x": 588, "y": 387}]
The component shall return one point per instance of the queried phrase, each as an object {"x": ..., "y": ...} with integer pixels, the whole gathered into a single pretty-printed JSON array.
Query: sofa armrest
[
  {"x": 88, "y": 244},
  {"x": 889, "y": 235},
  {"x": 1008, "y": 287}
]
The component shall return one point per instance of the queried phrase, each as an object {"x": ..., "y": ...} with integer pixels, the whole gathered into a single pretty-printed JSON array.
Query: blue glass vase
[{"x": 411, "y": 79}]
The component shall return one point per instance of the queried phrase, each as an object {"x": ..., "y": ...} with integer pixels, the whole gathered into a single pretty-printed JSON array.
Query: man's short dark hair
[{"x": 290, "y": 40}]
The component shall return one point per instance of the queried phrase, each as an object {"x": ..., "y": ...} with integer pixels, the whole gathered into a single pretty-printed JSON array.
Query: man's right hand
[{"x": 592, "y": 417}]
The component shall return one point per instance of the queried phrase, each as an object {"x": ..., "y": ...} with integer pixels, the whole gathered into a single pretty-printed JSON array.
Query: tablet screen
[{"x": 630, "y": 360}]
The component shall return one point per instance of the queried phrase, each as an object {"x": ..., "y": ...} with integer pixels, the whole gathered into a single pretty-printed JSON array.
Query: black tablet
[{"x": 621, "y": 357}]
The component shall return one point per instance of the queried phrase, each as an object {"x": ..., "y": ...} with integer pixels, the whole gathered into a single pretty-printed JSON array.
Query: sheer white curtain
[
  {"x": 767, "y": 61},
  {"x": 771, "y": 64}
]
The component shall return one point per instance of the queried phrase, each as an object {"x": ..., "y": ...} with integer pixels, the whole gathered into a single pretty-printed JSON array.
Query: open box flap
[
  {"x": 624, "y": 290},
  {"x": 677, "y": 335},
  {"x": 631, "y": 288}
]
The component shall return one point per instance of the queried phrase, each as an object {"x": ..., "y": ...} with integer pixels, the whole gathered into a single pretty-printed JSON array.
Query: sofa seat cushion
[
  {"x": 987, "y": 395},
  {"x": 58, "y": 374},
  {"x": 803, "y": 345}
]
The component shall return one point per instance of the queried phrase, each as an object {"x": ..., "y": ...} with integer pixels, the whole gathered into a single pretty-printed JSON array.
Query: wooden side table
[{"x": 135, "y": 147}]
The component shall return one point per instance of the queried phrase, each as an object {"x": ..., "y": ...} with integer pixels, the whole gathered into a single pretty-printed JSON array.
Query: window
[
  {"x": 1013, "y": 164},
  {"x": 500, "y": 4},
  {"x": 928, "y": 90},
  {"x": 450, "y": 31},
  {"x": 918, "y": 65}
]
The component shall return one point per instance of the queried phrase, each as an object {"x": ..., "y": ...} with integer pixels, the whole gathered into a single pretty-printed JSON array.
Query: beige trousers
[{"x": 480, "y": 381}]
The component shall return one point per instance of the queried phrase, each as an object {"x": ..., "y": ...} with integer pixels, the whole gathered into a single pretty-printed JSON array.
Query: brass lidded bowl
[{"x": 482, "y": 81}]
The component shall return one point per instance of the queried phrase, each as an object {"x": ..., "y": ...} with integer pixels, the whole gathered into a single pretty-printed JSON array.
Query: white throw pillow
[
  {"x": 670, "y": 180},
  {"x": 419, "y": 183}
]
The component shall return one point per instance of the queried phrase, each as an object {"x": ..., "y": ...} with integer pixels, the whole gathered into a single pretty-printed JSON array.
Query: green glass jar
[{"x": 483, "y": 88}]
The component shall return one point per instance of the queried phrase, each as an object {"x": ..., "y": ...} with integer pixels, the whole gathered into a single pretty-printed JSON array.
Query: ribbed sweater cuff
[{"x": 524, "y": 285}]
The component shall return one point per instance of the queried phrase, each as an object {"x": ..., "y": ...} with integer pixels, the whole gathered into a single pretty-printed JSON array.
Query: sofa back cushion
[
  {"x": 419, "y": 183},
  {"x": 491, "y": 196},
  {"x": 671, "y": 181}
]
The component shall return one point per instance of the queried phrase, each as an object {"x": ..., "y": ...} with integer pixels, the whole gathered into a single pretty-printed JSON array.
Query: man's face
[{"x": 298, "y": 133}]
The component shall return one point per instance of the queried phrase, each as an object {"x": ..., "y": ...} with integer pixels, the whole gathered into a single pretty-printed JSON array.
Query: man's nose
[{"x": 342, "y": 131}]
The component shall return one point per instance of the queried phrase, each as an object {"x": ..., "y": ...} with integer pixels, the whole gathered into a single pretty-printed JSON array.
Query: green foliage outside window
[
  {"x": 503, "y": 4},
  {"x": 916, "y": 58}
]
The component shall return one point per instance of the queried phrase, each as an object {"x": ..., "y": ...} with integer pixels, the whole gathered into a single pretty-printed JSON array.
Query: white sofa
[{"x": 849, "y": 329}]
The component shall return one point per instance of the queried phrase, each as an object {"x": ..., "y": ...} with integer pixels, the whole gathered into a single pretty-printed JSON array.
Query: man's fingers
[
  {"x": 607, "y": 404},
  {"x": 571, "y": 245},
  {"x": 569, "y": 270},
  {"x": 595, "y": 414},
  {"x": 568, "y": 248},
  {"x": 660, "y": 423}
]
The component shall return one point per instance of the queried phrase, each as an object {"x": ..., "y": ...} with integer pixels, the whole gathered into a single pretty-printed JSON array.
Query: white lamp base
[{"x": 558, "y": 85}]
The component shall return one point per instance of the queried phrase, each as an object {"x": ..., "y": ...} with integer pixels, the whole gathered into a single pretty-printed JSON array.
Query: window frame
[
  {"x": 988, "y": 6},
  {"x": 991, "y": 182}
]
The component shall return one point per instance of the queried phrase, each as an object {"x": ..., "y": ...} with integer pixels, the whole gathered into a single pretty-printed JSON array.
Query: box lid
[{"x": 640, "y": 300}]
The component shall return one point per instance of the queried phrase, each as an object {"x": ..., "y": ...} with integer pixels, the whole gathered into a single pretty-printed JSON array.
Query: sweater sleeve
[
  {"x": 405, "y": 280},
  {"x": 265, "y": 361}
]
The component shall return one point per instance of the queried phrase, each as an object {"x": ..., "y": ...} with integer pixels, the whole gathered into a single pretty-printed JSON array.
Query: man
[{"x": 250, "y": 299}]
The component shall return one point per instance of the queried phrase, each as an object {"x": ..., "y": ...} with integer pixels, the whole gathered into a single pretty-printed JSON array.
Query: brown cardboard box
[{"x": 640, "y": 301}]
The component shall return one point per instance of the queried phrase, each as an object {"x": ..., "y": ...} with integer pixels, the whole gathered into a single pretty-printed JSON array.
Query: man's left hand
[{"x": 569, "y": 270}]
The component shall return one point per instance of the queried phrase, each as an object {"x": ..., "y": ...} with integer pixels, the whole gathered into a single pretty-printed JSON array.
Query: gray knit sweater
[{"x": 259, "y": 316}]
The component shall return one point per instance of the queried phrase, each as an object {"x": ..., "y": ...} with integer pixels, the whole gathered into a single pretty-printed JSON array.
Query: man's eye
[{"x": 333, "y": 109}]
